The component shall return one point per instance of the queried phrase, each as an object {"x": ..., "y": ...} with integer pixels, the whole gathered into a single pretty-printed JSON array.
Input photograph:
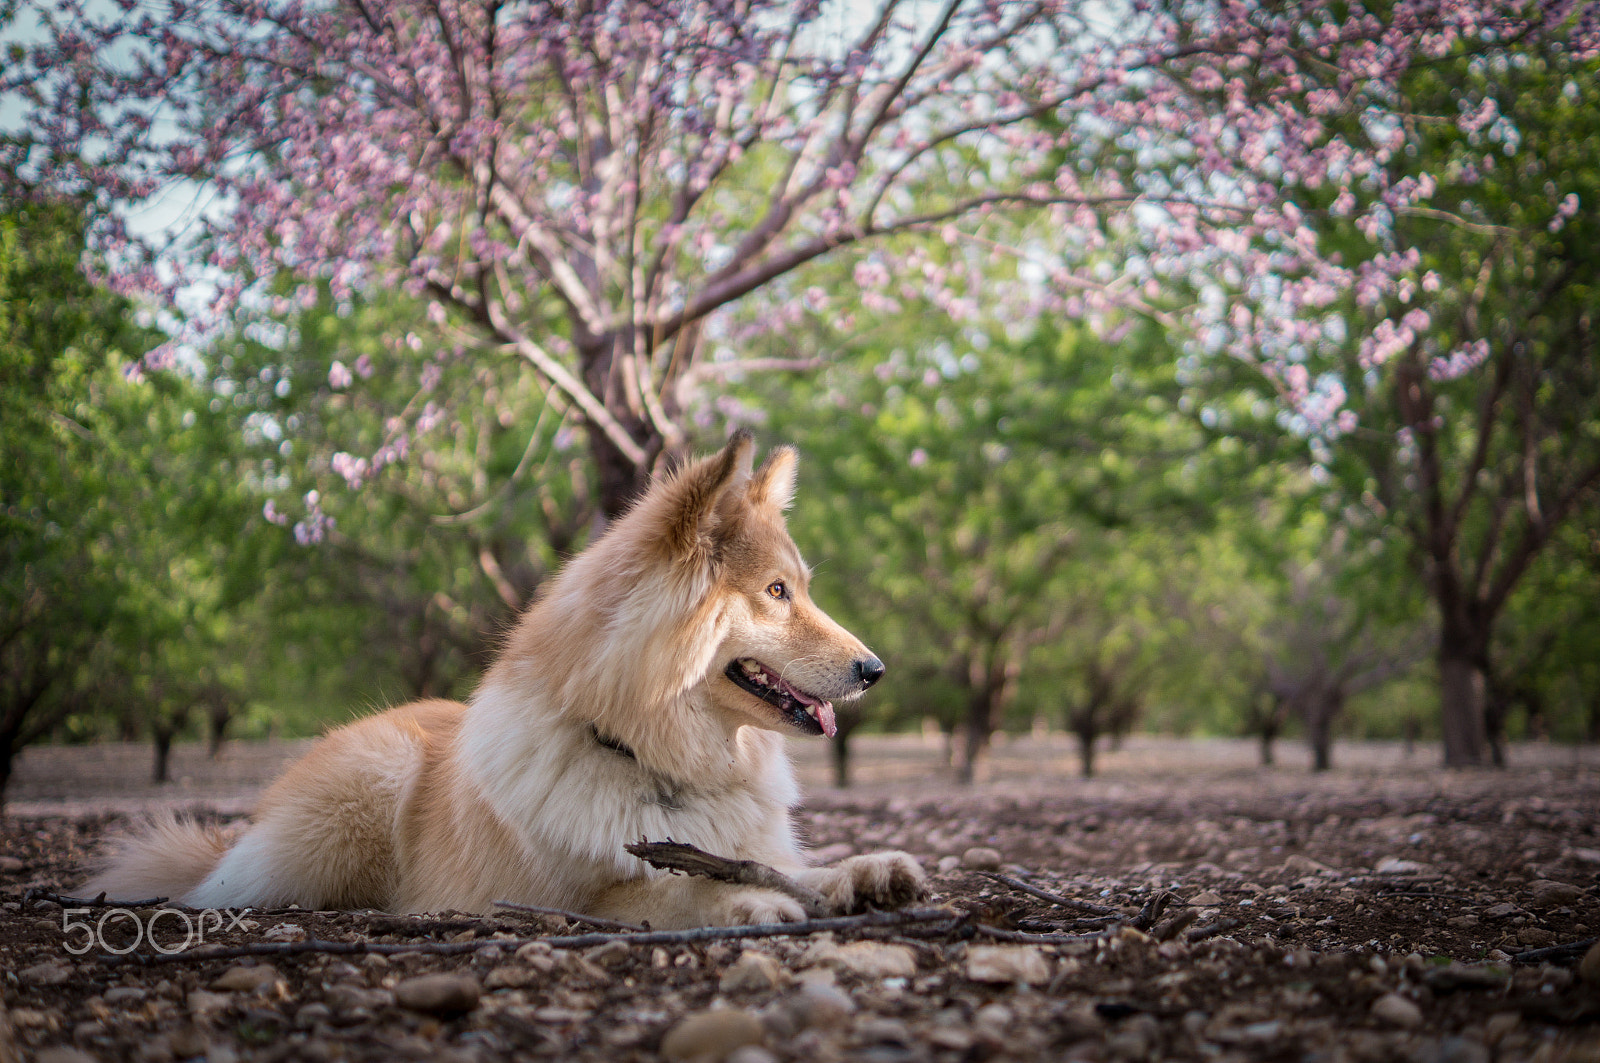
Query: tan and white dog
[{"x": 646, "y": 695}]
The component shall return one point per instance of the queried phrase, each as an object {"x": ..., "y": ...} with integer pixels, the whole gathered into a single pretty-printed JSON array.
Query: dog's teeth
[{"x": 750, "y": 667}]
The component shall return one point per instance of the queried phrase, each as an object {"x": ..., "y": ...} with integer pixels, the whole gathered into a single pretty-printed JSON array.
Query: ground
[{"x": 1387, "y": 910}]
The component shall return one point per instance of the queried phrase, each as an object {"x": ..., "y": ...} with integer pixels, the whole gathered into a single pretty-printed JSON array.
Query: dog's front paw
[
  {"x": 746, "y": 907},
  {"x": 880, "y": 880}
]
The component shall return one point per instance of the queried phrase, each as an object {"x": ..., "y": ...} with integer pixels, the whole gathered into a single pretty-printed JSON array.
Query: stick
[
  {"x": 1038, "y": 939},
  {"x": 588, "y": 920},
  {"x": 676, "y": 856},
  {"x": 1152, "y": 910},
  {"x": 1571, "y": 949},
  {"x": 1176, "y": 925},
  {"x": 1053, "y": 898},
  {"x": 36, "y": 894},
  {"x": 904, "y": 917},
  {"x": 1211, "y": 930}
]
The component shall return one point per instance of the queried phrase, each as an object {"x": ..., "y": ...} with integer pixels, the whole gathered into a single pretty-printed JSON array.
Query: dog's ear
[
  {"x": 701, "y": 487},
  {"x": 773, "y": 484}
]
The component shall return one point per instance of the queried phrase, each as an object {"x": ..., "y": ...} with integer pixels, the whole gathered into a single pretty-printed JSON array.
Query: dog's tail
[{"x": 166, "y": 856}]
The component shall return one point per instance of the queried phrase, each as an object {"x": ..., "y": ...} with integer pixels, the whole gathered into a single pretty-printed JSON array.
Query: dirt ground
[{"x": 1387, "y": 910}]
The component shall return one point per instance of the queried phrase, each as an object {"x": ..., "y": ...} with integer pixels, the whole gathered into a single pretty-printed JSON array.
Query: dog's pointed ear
[
  {"x": 702, "y": 486},
  {"x": 773, "y": 484}
]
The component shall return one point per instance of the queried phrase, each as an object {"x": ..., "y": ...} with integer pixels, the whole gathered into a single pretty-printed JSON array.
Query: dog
[{"x": 646, "y": 694}]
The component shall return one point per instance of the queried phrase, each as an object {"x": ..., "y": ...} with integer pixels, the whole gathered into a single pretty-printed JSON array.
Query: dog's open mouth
[{"x": 807, "y": 712}]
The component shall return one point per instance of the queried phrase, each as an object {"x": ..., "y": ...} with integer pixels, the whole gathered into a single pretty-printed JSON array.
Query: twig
[
  {"x": 904, "y": 917},
  {"x": 1211, "y": 930},
  {"x": 1176, "y": 925},
  {"x": 100, "y": 901},
  {"x": 587, "y": 920},
  {"x": 1053, "y": 898},
  {"x": 1571, "y": 950},
  {"x": 1037, "y": 939},
  {"x": 677, "y": 856},
  {"x": 1152, "y": 910}
]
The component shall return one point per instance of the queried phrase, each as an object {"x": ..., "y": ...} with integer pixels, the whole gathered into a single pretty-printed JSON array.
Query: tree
[
  {"x": 586, "y": 186},
  {"x": 1476, "y": 374}
]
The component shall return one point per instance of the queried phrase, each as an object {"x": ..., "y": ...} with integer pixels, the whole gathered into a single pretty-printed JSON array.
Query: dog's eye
[{"x": 777, "y": 590}]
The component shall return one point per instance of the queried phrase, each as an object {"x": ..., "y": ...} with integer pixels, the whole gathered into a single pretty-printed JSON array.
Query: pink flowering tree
[
  {"x": 1465, "y": 434},
  {"x": 585, "y": 187}
]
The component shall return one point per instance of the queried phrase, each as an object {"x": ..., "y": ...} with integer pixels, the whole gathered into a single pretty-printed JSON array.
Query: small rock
[
  {"x": 345, "y": 997},
  {"x": 820, "y": 1004},
  {"x": 1583, "y": 856},
  {"x": 1501, "y": 911},
  {"x": 1206, "y": 899},
  {"x": 1393, "y": 865},
  {"x": 1547, "y": 894},
  {"x": 311, "y": 1014},
  {"x": 1008, "y": 964},
  {"x": 187, "y": 1041},
  {"x": 711, "y": 1036},
  {"x": 1297, "y": 864},
  {"x": 246, "y": 979},
  {"x": 611, "y": 954},
  {"x": 1589, "y": 968},
  {"x": 1451, "y": 1050},
  {"x": 948, "y": 864},
  {"x": 1396, "y": 1010},
  {"x": 510, "y": 976},
  {"x": 46, "y": 974},
  {"x": 753, "y": 972},
  {"x": 868, "y": 959},
  {"x": 284, "y": 932},
  {"x": 63, "y": 1054},
  {"x": 26, "y": 1018},
  {"x": 981, "y": 858},
  {"x": 538, "y": 955},
  {"x": 438, "y": 992},
  {"x": 1535, "y": 937},
  {"x": 751, "y": 1054},
  {"x": 10, "y": 865},
  {"x": 202, "y": 1002},
  {"x": 1461, "y": 922},
  {"x": 123, "y": 994}
]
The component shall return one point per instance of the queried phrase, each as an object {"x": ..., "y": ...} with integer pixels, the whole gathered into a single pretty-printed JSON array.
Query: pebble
[
  {"x": 1504, "y": 910},
  {"x": 1008, "y": 964},
  {"x": 868, "y": 959},
  {"x": 711, "y": 1036},
  {"x": 1396, "y": 1010},
  {"x": 246, "y": 979},
  {"x": 1451, "y": 1050},
  {"x": 438, "y": 992},
  {"x": 1548, "y": 894},
  {"x": 981, "y": 858},
  {"x": 123, "y": 994},
  {"x": 1206, "y": 899},
  {"x": 1536, "y": 937},
  {"x": 1463, "y": 976},
  {"x": 284, "y": 932},
  {"x": 821, "y": 1004},
  {"x": 46, "y": 973},
  {"x": 11, "y": 865},
  {"x": 345, "y": 997},
  {"x": 1589, "y": 968},
  {"x": 611, "y": 954},
  {"x": 63, "y": 1054},
  {"x": 751, "y": 1054},
  {"x": 1394, "y": 865},
  {"x": 948, "y": 864},
  {"x": 753, "y": 972},
  {"x": 201, "y": 1002},
  {"x": 510, "y": 976}
]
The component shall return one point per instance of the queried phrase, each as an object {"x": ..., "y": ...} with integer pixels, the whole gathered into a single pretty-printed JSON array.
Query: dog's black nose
[{"x": 869, "y": 671}]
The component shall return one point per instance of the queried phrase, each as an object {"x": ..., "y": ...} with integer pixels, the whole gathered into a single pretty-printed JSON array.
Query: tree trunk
[
  {"x": 847, "y": 720},
  {"x": 1086, "y": 740},
  {"x": 220, "y": 718},
  {"x": 975, "y": 736},
  {"x": 1322, "y": 708},
  {"x": 1268, "y": 736},
  {"x": 163, "y": 744},
  {"x": 1462, "y": 703}
]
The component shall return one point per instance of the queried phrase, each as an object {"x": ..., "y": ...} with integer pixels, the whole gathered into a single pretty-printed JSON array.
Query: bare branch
[{"x": 676, "y": 856}]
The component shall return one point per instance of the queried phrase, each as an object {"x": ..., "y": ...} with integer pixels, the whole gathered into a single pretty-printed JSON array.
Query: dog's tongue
[
  {"x": 825, "y": 718},
  {"x": 824, "y": 709}
]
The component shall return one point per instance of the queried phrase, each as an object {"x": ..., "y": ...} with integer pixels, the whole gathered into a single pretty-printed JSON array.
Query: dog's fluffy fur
[{"x": 644, "y": 696}]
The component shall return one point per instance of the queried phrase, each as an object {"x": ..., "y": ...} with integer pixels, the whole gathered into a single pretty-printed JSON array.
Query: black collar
[{"x": 611, "y": 743}]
